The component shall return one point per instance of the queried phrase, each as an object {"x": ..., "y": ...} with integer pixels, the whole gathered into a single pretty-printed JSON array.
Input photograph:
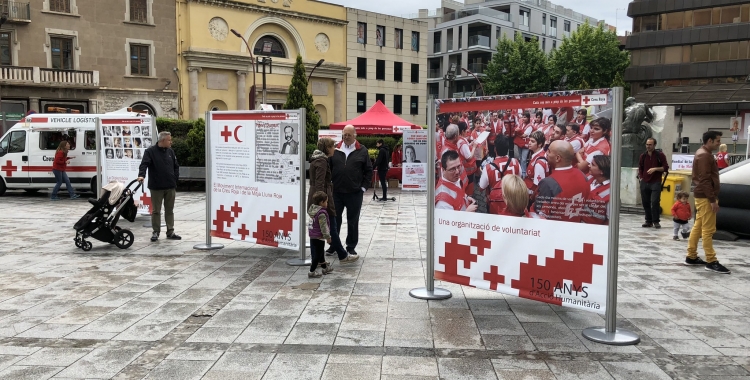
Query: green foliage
[
  {"x": 371, "y": 141},
  {"x": 517, "y": 67},
  {"x": 188, "y": 139},
  {"x": 373, "y": 153},
  {"x": 299, "y": 97},
  {"x": 196, "y": 140},
  {"x": 620, "y": 82},
  {"x": 590, "y": 58},
  {"x": 178, "y": 128},
  {"x": 309, "y": 149}
]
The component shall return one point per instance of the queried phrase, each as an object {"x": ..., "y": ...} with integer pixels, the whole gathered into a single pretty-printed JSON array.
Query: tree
[
  {"x": 519, "y": 66},
  {"x": 590, "y": 57},
  {"x": 298, "y": 97}
]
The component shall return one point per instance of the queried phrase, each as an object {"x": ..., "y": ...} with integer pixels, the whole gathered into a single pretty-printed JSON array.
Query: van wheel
[{"x": 2, "y": 187}]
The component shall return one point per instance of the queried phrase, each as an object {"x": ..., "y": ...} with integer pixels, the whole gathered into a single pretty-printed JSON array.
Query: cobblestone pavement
[{"x": 165, "y": 311}]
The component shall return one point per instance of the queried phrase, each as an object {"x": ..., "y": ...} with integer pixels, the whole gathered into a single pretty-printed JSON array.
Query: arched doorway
[
  {"x": 269, "y": 46},
  {"x": 143, "y": 107},
  {"x": 217, "y": 105},
  {"x": 322, "y": 113}
]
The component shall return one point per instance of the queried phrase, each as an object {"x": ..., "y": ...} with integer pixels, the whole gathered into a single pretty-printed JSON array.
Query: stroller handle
[{"x": 131, "y": 183}]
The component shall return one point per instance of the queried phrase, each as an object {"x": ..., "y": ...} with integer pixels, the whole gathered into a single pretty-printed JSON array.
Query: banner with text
[
  {"x": 682, "y": 161},
  {"x": 414, "y": 167},
  {"x": 529, "y": 216},
  {"x": 255, "y": 174},
  {"x": 124, "y": 141}
]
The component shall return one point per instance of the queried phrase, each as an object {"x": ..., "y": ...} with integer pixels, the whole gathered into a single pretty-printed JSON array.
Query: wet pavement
[{"x": 165, "y": 311}]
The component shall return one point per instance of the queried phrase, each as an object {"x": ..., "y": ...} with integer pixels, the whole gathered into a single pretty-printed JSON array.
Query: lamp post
[
  {"x": 475, "y": 77},
  {"x": 313, "y": 69},
  {"x": 3, "y": 19},
  {"x": 252, "y": 61}
]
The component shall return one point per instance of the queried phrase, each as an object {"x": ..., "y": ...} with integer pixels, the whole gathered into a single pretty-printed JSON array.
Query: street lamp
[
  {"x": 3, "y": 19},
  {"x": 252, "y": 60},
  {"x": 448, "y": 78},
  {"x": 475, "y": 77},
  {"x": 313, "y": 69}
]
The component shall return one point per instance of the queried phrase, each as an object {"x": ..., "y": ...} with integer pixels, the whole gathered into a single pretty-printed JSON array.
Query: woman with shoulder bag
[{"x": 59, "y": 165}]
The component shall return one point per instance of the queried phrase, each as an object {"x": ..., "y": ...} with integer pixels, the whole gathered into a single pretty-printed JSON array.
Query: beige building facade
[
  {"x": 88, "y": 56},
  {"x": 216, "y": 69},
  {"x": 388, "y": 60}
]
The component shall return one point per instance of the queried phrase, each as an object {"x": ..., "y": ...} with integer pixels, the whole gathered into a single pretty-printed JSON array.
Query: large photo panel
[
  {"x": 522, "y": 195},
  {"x": 255, "y": 176}
]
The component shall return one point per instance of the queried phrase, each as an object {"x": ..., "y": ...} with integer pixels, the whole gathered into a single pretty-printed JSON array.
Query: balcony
[
  {"x": 36, "y": 76},
  {"x": 484, "y": 11},
  {"x": 477, "y": 68},
  {"x": 483, "y": 41},
  {"x": 17, "y": 11},
  {"x": 434, "y": 73}
]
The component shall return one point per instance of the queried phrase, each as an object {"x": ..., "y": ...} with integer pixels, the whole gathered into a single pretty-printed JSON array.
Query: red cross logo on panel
[{"x": 226, "y": 133}]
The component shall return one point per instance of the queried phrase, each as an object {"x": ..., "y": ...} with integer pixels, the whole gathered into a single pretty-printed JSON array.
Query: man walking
[
  {"x": 706, "y": 181},
  {"x": 163, "y": 172},
  {"x": 651, "y": 165},
  {"x": 381, "y": 163},
  {"x": 352, "y": 175}
]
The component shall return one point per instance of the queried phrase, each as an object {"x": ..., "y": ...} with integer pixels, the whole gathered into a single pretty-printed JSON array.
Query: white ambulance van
[{"x": 27, "y": 151}]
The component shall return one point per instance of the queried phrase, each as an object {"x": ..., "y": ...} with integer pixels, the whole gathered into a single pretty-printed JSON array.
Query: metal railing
[
  {"x": 479, "y": 41},
  {"x": 477, "y": 68},
  {"x": 70, "y": 78},
  {"x": 15, "y": 10},
  {"x": 477, "y": 10},
  {"x": 434, "y": 73}
]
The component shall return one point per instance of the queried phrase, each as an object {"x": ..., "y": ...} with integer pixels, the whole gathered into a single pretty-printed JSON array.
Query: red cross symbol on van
[{"x": 9, "y": 168}]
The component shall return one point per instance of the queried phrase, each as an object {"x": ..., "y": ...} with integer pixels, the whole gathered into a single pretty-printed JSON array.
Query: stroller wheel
[
  {"x": 78, "y": 242},
  {"x": 124, "y": 239},
  {"x": 86, "y": 246}
]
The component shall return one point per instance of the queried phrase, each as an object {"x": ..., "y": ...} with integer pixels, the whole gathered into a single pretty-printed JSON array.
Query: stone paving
[{"x": 165, "y": 311}]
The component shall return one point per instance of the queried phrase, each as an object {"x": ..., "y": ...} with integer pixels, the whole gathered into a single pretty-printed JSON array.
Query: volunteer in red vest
[
  {"x": 561, "y": 195},
  {"x": 549, "y": 128},
  {"x": 538, "y": 122},
  {"x": 480, "y": 152},
  {"x": 596, "y": 210},
  {"x": 722, "y": 158},
  {"x": 538, "y": 168},
  {"x": 516, "y": 196},
  {"x": 585, "y": 128},
  {"x": 558, "y": 134},
  {"x": 597, "y": 144},
  {"x": 449, "y": 194},
  {"x": 509, "y": 123},
  {"x": 495, "y": 127},
  {"x": 451, "y": 142},
  {"x": 520, "y": 139},
  {"x": 494, "y": 172},
  {"x": 466, "y": 151},
  {"x": 573, "y": 136},
  {"x": 397, "y": 157}
]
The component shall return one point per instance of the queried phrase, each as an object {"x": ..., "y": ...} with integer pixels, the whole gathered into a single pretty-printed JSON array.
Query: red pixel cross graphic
[
  {"x": 555, "y": 270},
  {"x": 455, "y": 252},
  {"x": 268, "y": 229},
  {"x": 225, "y": 218},
  {"x": 146, "y": 201}
]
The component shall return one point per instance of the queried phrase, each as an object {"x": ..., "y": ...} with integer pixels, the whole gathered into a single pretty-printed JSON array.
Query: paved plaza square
[{"x": 166, "y": 311}]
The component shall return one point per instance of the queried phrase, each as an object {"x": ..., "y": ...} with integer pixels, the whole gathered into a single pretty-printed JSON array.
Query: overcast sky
[{"x": 603, "y": 9}]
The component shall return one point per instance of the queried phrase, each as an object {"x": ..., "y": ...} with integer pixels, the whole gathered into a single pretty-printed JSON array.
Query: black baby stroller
[{"x": 100, "y": 222}]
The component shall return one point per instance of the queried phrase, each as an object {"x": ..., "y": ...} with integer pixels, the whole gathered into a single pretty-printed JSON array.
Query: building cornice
[
  {"x": 233, "y": 4},
  {"x": 241, "y": 62}
]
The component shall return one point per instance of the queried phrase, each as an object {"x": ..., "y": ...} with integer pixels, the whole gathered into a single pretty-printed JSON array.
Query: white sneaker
[
  {"x": 315, "y": 274},
  {"x": 349, "y": 259}
]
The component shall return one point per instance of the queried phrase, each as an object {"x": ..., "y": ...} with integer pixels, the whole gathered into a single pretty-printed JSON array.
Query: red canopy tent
[{"x": 378, "y": 120}]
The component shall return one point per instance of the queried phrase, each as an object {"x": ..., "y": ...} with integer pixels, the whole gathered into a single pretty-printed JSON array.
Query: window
[
  {"x": 139, "y": 56},
  {"x": 414, "y": 73},
  {"x": 139, "y": 11},
  {"x": 6, "y": 52},
  {"x": 524, "y": 17},
  {"x": 361, "y": 67},
  {"x": 145, "y": 108},
  {"x": 14, "y": 142},
  {"x": 415, "y": 41},
  {"x": 90, "y": 143},
  {"x": 544, "y": 24},
  {"x": 380, "y": 97},
  {"x": 672, "y": 55},
  {"x": 380, "y": 35},
  {"x": 414, "y": 105},
  {"x": 701, "y": 17},
  {"x": 398, "y": 38},
  {"x": 700, "y": 53},
  {"x": 544, "y": 44},
  {"x": 554, "y": 44},
  {"x": 676, "y": 20},
  {"x": 649, "y": 23},
  {"x": 398, "y": 71},
  {"x": 566, "y": 26},
  {"x": 397, "y": 104},
  {"x": 553, "y": 26},
  {"x": 380, "y": 69},
  {"x": 361, "y": 33},
  {"x": 730, "y": 15},
  {"x": 269, "y": 46},
  {"x": 50, "y": 140},
  {"x": 361, "y": 102},
  {"x": 59, "y": 6},
  {"x": 62, "y": 53}
]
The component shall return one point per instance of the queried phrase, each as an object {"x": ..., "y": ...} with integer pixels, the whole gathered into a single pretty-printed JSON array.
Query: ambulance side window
[
  {"x": 50, "y": 140},
  {"x": 90, "y": 137},
  {"x": 17, "y": 142}
]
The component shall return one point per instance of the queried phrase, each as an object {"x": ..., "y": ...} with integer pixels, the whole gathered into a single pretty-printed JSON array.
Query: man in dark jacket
[
  {"x": 164, "y": 172},
  {"x": 651, "y": 166},
  {"x": 352, "y": 176},
  {"x": 381, "y": 163}
]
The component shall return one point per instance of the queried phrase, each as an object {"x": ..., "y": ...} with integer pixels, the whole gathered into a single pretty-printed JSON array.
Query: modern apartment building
[
  {"x": 87, "y": 56},
  {"x": 694, "y": 55},
  {"x": 466, "y": 35},
  {"x": 387, "y": 56}
]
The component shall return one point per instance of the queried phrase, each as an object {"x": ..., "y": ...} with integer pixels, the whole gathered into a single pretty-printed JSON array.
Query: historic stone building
[
  {"x": 215, "y": 66},
  {"x": 88, "y": 56}
]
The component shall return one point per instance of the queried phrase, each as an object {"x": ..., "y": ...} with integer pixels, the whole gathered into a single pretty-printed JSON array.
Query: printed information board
[
  {"x": 531, "y": 219},
  {"x": 255, "y": 175},
  {"x": 414, "y": 174},
  {"x": 682, "y": 161},
  {"x": 124, "y": 141}
]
